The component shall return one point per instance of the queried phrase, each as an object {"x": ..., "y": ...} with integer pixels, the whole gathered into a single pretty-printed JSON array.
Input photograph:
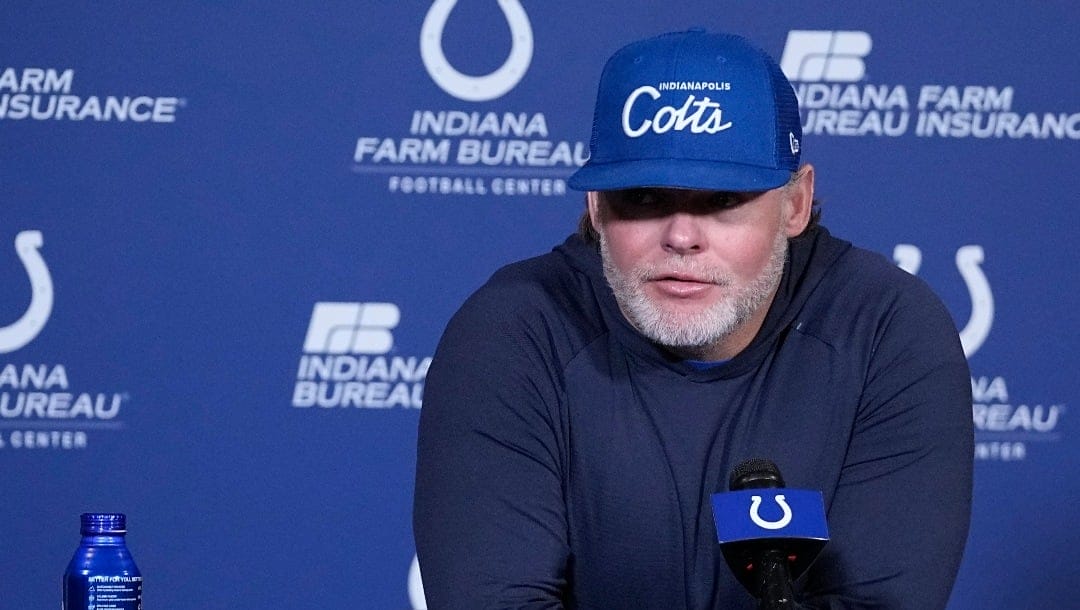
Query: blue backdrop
[{"x": 231, "y": 234}]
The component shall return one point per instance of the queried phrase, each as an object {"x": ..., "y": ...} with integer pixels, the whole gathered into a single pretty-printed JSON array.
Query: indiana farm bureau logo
[
  {"x": 458, "y": 150},
  {"x": 350, "y": 360}
]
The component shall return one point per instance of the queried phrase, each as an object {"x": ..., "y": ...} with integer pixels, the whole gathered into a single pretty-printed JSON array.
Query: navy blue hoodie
[{"x": 565, "y": 461}]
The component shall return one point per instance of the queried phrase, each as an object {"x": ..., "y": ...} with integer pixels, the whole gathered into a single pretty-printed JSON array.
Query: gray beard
[{"x": 692, "y": 335}]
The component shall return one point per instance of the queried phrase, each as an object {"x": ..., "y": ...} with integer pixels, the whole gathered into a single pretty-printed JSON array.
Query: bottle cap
[{"x": 103, "y": 523}]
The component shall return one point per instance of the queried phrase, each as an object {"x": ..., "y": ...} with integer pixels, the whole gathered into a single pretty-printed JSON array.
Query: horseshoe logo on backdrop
[
  {"x": 23, "y": 330},
  {"x": 907, "y": 257},
  {"x": 755, "y": 504},
  {"x": 416, "y": 586},
  {"x": 476, "y": 88},
  {"x": 968, "y": 259}
]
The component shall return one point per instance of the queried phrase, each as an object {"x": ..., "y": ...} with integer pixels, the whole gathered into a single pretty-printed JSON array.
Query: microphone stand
[{"x": 775, "y": 582}]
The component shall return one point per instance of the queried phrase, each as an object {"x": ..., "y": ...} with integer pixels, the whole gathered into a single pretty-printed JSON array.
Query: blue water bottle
[{"x": 102, "y": 575}]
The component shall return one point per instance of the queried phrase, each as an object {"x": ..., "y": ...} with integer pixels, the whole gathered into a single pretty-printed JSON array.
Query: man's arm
[
  {"x": 489, "y": 518},
  {"x": 899, "y": 518}
]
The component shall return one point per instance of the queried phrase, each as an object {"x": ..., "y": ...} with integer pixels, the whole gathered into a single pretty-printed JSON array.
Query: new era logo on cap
[{"x": 692, "y": 110}]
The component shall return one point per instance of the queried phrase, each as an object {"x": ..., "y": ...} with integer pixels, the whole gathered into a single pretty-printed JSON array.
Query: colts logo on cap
[{"x": 699, "y": 116}]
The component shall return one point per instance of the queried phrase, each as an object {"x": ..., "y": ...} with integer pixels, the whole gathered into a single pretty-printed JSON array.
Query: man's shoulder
[
  {"x": 865, "y": 308},
  {"x": 870, "y": 274},
  {"x": 863, "y": 292},
  {"x": 536, "y": 283},
  {"x": 829, "y": 273},
  {"x": 546, "y": 300}
]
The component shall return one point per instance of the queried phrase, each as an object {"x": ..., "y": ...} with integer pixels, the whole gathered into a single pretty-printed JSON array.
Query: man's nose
[{"x": 683, "y": 234}]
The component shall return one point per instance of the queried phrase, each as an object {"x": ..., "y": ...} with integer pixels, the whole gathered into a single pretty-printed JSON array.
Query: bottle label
[{"x": 100, "y": 592}]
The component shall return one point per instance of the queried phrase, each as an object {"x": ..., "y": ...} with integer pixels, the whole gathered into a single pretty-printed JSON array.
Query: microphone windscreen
[{"x": 755, "y": 473}]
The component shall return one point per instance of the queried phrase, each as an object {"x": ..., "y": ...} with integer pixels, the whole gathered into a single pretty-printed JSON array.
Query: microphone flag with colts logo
[
  {"x": 750, "y": 523},
  {"x": 753, "y": 514}
]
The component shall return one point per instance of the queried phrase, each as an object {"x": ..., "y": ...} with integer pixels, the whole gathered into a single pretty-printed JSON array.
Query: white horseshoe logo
[
  {"x": 907, "y": 257},
  {"x": 975, "y": 331},
  {"x": 476, "y": 88},
  {"x": 968, "y": 259},
  {"x": 23, "y": 330},
  {"x": 755, "y": 503},
  {"x": 416, "y": 586}
]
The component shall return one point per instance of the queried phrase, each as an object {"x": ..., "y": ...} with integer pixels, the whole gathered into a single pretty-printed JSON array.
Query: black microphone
[{"x": 768, "y": 539}]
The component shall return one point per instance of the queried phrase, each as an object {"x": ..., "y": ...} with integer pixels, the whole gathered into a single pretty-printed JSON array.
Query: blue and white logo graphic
[
  {"x": 454, "y": 151},
  {"x": 40, "y": 408},
  {"x": 416, "y": 586},
  {"x": 752, "y": 514},
  {"x": 702, "y": 116},
  {"x": 23, "y": 330},
  {"x": 476, "y": 88},
  {"x": 357, "y": 328},
  {"x": 350, "y": 360},
  {"x": 825, "y": 55},
  {"x": 828, "y": 70},
  {"x": 755, "y": 513},
  {"x": 45, "y": 94}
]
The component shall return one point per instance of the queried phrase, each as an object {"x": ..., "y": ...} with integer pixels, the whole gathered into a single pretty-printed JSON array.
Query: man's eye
[
  {"x": 638, "y": 197},
  {"x": 726, "y": 200},
  {"x": 633, "y": 200}
]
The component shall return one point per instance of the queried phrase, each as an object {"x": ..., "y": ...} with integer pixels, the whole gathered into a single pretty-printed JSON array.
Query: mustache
[
  {"x": 681, "y": 268},
  {"x": 676, "y": 266}
]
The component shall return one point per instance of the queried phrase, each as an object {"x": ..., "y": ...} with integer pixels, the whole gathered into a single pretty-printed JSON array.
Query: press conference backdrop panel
[{"x": 231, "y": 234}]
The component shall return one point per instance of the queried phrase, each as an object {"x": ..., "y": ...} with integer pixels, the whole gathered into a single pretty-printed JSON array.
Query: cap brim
[{"x": 676, "y": 173}]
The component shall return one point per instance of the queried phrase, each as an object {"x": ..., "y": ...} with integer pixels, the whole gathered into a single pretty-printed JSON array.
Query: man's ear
[
  {"x": 800, "y": 201},
  {"x": 593, "y": 200}
]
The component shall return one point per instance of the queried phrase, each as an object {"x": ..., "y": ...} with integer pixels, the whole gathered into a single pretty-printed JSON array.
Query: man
[{"x": 584, "y": 405}]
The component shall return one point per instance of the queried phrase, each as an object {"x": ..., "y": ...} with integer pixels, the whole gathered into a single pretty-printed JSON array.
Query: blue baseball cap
[{"x": 695, "y": 110}]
